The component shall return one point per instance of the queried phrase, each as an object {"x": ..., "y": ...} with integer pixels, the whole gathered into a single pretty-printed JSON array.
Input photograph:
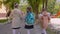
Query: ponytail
[{"x": 8, "y": 13}]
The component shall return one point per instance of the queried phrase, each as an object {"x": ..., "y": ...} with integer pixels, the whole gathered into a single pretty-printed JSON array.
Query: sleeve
[
  {"x": 11, "y": 15},
  {"x": 40, "y": 18},
  {"x": 49, "y": 17},
  {"x": 22, "y": 15},
  {"x": 10, "y": 18}
]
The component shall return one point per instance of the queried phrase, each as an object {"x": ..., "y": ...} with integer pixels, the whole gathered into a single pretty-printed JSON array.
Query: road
[{"x": 6, "y": 29}]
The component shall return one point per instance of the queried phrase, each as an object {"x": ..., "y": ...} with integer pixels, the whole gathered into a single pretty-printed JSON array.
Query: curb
[{"x": 3, "y": 23}]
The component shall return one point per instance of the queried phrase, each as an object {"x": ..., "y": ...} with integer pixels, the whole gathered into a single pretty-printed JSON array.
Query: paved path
[{"x": 6, "y": 29}]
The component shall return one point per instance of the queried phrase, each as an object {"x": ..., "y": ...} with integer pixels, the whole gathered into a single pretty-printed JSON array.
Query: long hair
[
  {"x": 29, "y": 9},
  {"x": 43, "y": 10},
  {"x": 8, "y": 13},
  {"x": 15, "y": 5}
]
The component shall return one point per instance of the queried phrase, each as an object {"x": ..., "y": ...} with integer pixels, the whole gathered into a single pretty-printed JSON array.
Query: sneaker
[{"x": 42, "y": 33}]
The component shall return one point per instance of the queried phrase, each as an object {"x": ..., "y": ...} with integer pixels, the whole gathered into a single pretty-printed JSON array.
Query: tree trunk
[
  {"x": 0, "y": 4},
  {"x": 43, "y": 4},
  {"x": 36, "y": 13},
  {"x": 43, "y": 7},
  {"x": 46, "y": 4},
  {"x": 36, "y": 10}
]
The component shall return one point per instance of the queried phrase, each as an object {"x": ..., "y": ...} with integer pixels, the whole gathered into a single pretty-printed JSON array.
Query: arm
[
  {"x": 49, "y": 16},
  {"x": 11, "y": 15},
  {"x": 10, "y": 18}
]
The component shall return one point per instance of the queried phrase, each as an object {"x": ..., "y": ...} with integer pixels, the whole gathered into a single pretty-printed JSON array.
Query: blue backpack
[{"x": 30, "y": 18}]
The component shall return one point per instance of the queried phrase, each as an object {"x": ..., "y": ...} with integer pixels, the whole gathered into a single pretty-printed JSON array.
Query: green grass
[
  {"x": 49, "y": 31},
  {"x": 3, "y": 20}
]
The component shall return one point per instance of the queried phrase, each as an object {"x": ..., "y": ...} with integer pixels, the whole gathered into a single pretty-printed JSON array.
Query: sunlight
[
  {"x": 58, "y": 0},
  {"x": 3, "y": 9}
]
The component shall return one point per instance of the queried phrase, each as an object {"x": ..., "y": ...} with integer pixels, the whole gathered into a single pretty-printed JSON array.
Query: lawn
[
  {"x": 49, "y": 31},
  {"x": 3, "y": 20}
]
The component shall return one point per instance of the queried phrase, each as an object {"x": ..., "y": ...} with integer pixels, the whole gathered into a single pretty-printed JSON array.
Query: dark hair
[
  {"x": 8, "y": 13},
  {"x": 29, "y": 8},
  {"x": 43, "y": 10},
  {"x": 15, "y": 5}
]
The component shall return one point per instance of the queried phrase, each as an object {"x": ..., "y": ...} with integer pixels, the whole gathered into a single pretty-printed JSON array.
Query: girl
[
  {"x": 30, "y": 18},
  {"x": 16, "y": 17},
  {"x": 44, "y": 20}
]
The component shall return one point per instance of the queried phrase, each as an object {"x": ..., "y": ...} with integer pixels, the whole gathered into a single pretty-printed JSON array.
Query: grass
[
  {"x": 49, "y": 31},
  {"x": 3, "y": 20}
]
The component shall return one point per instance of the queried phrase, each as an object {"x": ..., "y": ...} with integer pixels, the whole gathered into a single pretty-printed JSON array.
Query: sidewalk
[
  {"x": 6, "y": 29},
  {"x": 3, "y": 18},
  {"x": 55, "y": 25}
]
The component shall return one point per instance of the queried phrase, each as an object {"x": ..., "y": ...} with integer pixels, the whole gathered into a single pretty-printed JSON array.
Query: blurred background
[{"x": 52, "y": 6}]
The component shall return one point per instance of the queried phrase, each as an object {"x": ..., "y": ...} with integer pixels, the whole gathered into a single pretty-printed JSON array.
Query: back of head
[
  {"x": 29, "y": 9},
  {"x": 43, "y": 9},
  {"x": 16, "y": 5}
]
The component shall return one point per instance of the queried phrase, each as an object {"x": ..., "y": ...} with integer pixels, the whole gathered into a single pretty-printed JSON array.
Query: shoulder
[
  {"x": 40, "y": 15},
  {"x": 15, "y": 9},
  {"x": 32, "y": 12},
  {"x": 49, "y": 14}
]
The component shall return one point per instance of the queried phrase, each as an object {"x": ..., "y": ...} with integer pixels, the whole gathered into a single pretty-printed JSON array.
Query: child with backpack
[{"x": 30, "y": 20}]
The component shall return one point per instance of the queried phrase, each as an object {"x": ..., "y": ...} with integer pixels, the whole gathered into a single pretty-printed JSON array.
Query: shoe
[{"x": 42, "y": 33}]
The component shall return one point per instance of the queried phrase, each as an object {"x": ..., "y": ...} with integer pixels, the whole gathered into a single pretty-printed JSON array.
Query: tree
[
  {"x": 51, "y": 6},
  {"x": 35, "y": 6},
  {"x": 0, "y": 4},
  {"x": 46, "y": 4},
  {"x": 9, "y": 4}
]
